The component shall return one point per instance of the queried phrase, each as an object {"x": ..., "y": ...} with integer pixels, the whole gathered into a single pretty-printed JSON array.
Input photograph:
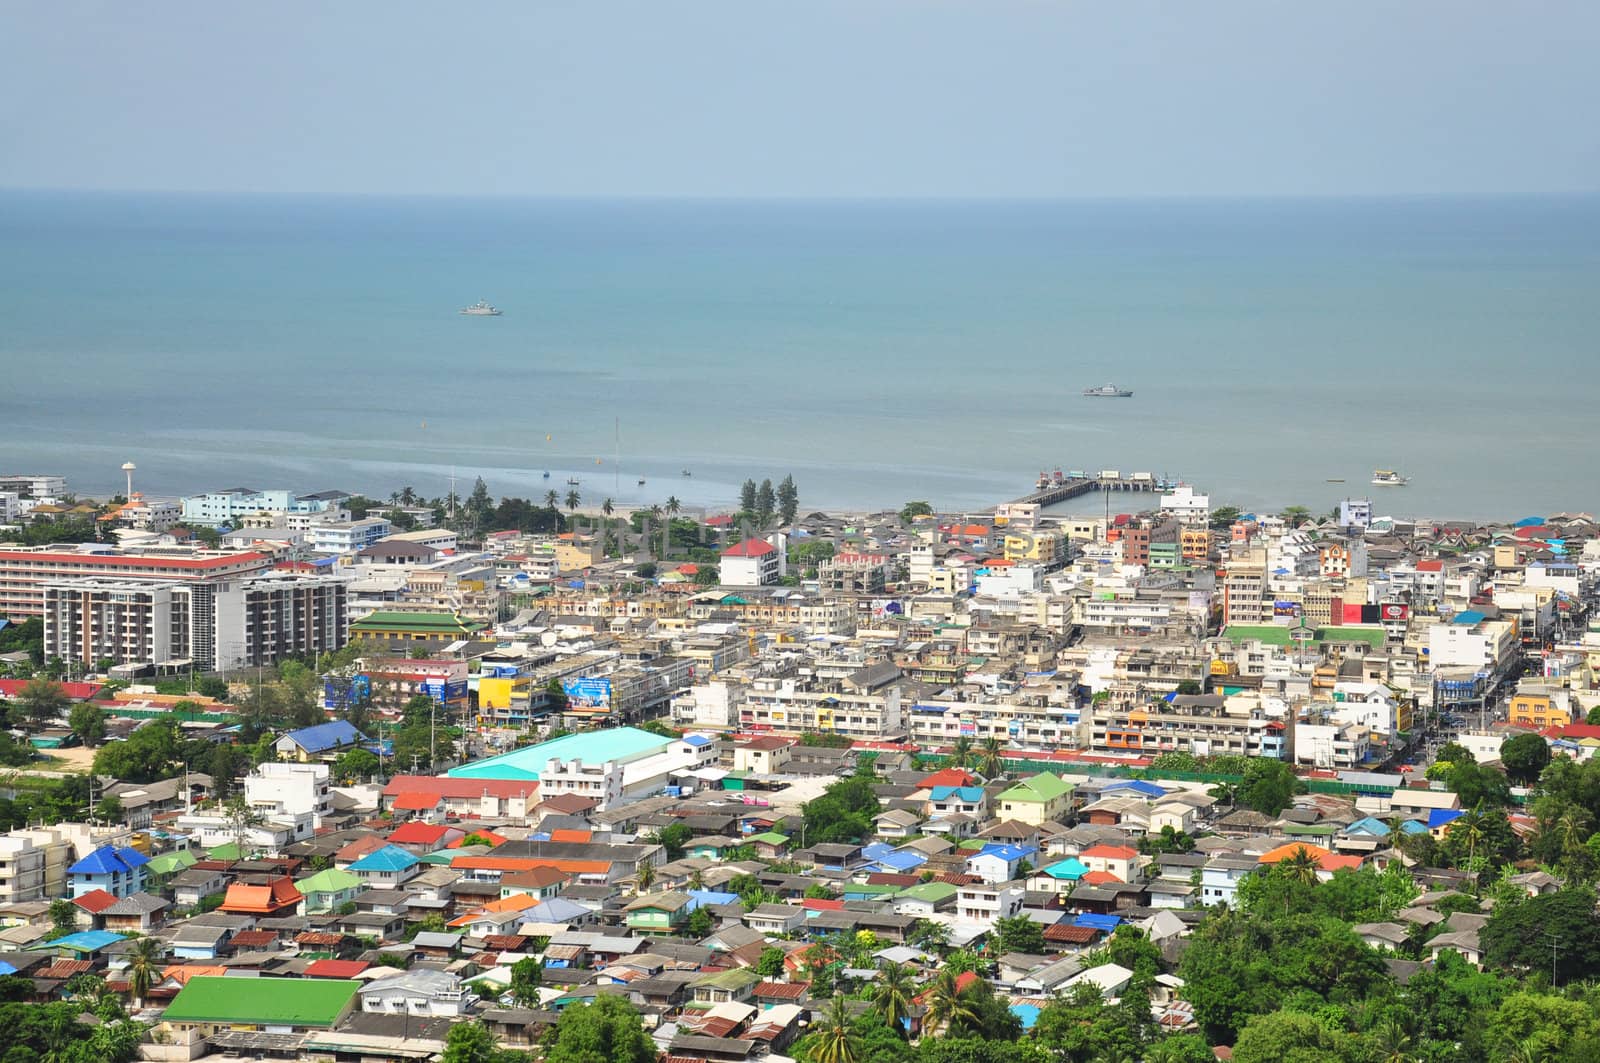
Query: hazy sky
[{"x": 804, "y": 97}]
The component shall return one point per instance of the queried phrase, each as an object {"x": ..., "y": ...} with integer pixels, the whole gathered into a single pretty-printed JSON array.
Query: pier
[{"x": 1058, "y": 486}]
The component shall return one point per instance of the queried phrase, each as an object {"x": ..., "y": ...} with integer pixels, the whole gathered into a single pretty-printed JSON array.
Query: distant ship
[
  {"x": 686, "y": 472},
  {"x": 573, "y": 481},
  {"x": 481, "y": 308},
  {"x": 1388, "y": 478},
  {"x": 1108, "y": 391},
  {"x": 641, "y": 481}
]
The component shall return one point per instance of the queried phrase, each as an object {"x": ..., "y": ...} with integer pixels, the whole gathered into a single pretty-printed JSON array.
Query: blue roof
[
  {"x": 1468, "y": 616},
  {"x": 1412, "y": 826},
  {"x": 1138, "y": 786},
  {"x": 1438, "y": 817},
  {"x": 969, "y": 794},
  {"x": 389, "y": 858},
  {"x": 325, "y": 736},
  {"x": 1529, "y": 522},
  {"x": 703, "y": 898},
  {"x": 83, "y": 941},
  {"x": 108, "y": 860},
  {"x": 6, "y": 968},
  {"x": 698, "y": 740},
  {"x": 1369, "y": 825},
  {"x": 1006, "y": 852},
  {"x": 1108, "y": 923},
  {"x": 893, "y": 859}
]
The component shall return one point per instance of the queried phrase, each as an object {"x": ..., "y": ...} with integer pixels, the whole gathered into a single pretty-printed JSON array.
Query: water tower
[{"x": 128, "y": 467}]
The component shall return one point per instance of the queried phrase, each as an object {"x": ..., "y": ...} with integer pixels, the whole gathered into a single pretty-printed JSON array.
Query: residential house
[
  {"x": 323, "y": 741},
  {"x": 1037, "y": 799},
  {"x": 118, "y": 870},
  {"x": 421, "y": 992},
  {"x": 658, "y": 913}
]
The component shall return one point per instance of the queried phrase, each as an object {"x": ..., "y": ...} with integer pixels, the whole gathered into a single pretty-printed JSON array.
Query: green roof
[
  {"x": 442, "y": 623},
  {"x": 262, "y": 1001},
  {"x": 225, "y": 851},
  {"x": 736, "y": 978},
  {"x": 1278, "y": 634},
  {"x": 932, "y": 892},
  {"x": 591, "y": 747},
  {"x": 1041, "y": 787},
  {"x": 167, "y": 863},
  {"x": 331, "y": 880},
  {"x": 771, "y": 837}
]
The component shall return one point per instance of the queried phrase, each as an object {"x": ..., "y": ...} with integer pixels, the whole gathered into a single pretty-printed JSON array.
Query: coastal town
[{"x": 332, "y": 777}]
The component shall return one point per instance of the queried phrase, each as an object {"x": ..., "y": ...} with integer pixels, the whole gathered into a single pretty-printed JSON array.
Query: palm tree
[
  {"x": 1302, "y": 867},
  {"x": 892, "y": 994},
  {"x": 1394, "y": 1043},
  {"x": 835, "y": 1041},
  {"x": 1471, "y": 824},
  {"x": 947, "y": 1005},
  {"x": 644, "y": 878},
  {"x": 673, "y": 505},
  {"x": 961, "y": 751},
  {"x": 408, "y": 496},
  {"x": 573, "y": 500},
  {"x": 697, "y": 880},
  {"x": 144, "y": 967},
  {"x": 551, "y": 499},
  {"x": 1526, "y": 1052},
  {"x": 990, "y": 765}
]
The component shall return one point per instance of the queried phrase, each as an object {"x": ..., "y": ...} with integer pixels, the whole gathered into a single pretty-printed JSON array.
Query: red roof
[
  {"x": 414, "y": 802},
  {"x": 570, "y": 835},
  {"x": 336, "y": 968},
  {"x": 133, "y": 560},
  {"x": 253, "y": 939},
  {"x": 948, "y": 777},
  {"x": 461, "y": 789},
  {"x": 95, "y": 901},
  {"x": 277, "y": 896},
  {"x": 1099, "y": 878},
  {"x": 780, "y": 990},
  {"x": 1327, "y": 861},
  {"x": 750, "y": 548},
  {"x": 722, "y": 520},
  {"x": 10, "y": 688},
  {"x": 490, "y": 836},
  {"x": 1577, "y": 731},
  {"x": 821, "y": 904},
  {"x": 416, "y": 833},
  {"x": 1068, "y": 934},
  {"x": 1430, "y": 566},
  {"x": 1111, "y": 852}
]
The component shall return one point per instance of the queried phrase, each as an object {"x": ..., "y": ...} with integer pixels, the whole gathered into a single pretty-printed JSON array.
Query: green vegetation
[
  {"x": 607, "y": 1031},
  {"x": 843, "y": 813}
]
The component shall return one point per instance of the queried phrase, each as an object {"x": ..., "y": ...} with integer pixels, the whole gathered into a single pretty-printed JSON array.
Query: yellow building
[
  {"x": 1540, "y": 708},
  {"x": 1045, "y": 547}
]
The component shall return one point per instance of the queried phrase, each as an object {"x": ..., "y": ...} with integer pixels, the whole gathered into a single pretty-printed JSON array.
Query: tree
[
  {"x": 526, "y": 976},
  {"x": 149, "y": 754},
  {"x": 1288, "y": 1037},
  {"x": 356, "y": 765},
  {"x": 912, "y": 510},
  {"x": 470, "y": 1042},
  {"x": 893, "y": 994},
  {"x": 1269, "y": 786},
  {"x": 644, "y": 877},
  {"x": 947, "y": 1005},
  {"x": 1295, "y": 516},
  {"x": 843, "y": 813},
  {"x": 42, "y": 701},
  {"x": 1223, "y": 517},
  {"x": 700, "y": 924},
  {"x": 747, "y": 496},
  {"x": 990, "y": 763},
  {"x": 766, "y": 503},
  {"x": 961, "y": 752},
  {"x": 788, "y": 501},
  {"x": 63, "y": 916},
  {"x": 607, "y": 1031},
  {"x": 109, "y": 810},
  {"x": 144, "y": 967},
  {"x": 832, "y": 1040},
  {"x": 573, "y": 500},
  {"x": 1525, "y": 757},
  {"x": 1519, "y": 936},
  {"x": 1019, "y": 934},
  {"x": 770, "y": 964},
  {"x": 88, "y": 722}
]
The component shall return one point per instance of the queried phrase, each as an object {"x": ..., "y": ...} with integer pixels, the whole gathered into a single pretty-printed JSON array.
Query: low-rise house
[
  {"x": 658, "y": 913},
  {"x": 721, "y": 986},
  {"x": 985, "y": 902},
  {"x": 1037, "y": 799},
  {"x": 775, "y": 919},
  {"x": 118, "y": 870},
  {"x": 1119, "y": 861},
  {"x": 387, "y": 867},
  {"x": 925, "y": 900},
  {"x": 323, "y": 741},
  {"x": 264, "y": 897},
  {"x": 421, "y": 991},
  {"x": 136, "y": 913},
  {"x": 896, "y": 824},
  {"x": 998, "y": 863},
  {"x": 328, "y": 890}
]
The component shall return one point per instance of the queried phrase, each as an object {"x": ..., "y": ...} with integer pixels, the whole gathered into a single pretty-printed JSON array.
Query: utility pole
[{"x": 1555, "y": 946}]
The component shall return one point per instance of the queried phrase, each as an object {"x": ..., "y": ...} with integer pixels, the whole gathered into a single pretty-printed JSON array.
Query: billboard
[
  {"x": 1395, "y": 611},
  {"x": 440, "y": 690},
  {"x": 587, "y": 692},
  {"x": 1285, "y": 608}
]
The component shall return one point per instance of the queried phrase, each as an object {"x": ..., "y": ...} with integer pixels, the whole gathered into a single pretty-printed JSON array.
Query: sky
[{"x": 778, "y": 98}]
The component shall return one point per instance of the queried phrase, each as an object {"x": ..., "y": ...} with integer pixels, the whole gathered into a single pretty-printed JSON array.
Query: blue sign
[{"x": 587, "y": 692}]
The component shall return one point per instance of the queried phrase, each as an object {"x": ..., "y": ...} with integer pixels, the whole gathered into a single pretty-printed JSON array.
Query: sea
[{"x": 877, "y": 351}]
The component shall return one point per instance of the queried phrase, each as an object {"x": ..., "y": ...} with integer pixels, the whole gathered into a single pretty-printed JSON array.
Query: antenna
[{"x": 616, "y": 460}]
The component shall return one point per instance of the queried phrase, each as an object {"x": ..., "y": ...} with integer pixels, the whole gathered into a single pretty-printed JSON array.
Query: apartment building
[
  {"x": 26, "y": 570},
  {"x": 1202, "y": 724},
  {"x": 229, "y": 505},
  {"x": 347, "y": 536},
  {"x": 216, "y": 624}
]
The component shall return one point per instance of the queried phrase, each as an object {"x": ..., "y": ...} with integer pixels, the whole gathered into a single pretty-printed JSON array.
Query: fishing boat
[
  {"x": 481, "y": 308},
  {"x": 1388, "y": 478},
  {"x": 1336, "y": 479},
  {"x": 547, "y": 474},
  {"x": 1108, "y": 391},
  {"x": 641, "y": 481},
  {"x": 686, "y": 473},
  {"x": 573, "y": 481}
]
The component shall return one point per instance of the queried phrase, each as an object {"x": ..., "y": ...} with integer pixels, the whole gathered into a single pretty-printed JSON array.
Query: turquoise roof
[
  {"x": 591, "y": 747},
  {"x": 85, "y": 941},
  {"x": 389, "y": 858},
  {"x": 1070, "y": 868}
]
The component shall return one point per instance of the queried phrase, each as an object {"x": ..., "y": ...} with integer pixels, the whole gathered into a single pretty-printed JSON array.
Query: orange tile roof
[
  {"x": 182, "y": 972},
  {"x": 468, "y": 862},
  {"x": 1326, "y": 860},
  {"x": 278, "y": 895}
]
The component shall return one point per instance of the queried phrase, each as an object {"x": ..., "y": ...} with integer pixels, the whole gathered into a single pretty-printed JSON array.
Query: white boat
[
  {"x": 1388, "y": 478},
  {"x": 1108, "y": 391},
  {"x": 481, "y": 308}
]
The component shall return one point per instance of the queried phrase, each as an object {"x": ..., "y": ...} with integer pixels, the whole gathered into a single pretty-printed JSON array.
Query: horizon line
[{"x": 842, "y": 198}]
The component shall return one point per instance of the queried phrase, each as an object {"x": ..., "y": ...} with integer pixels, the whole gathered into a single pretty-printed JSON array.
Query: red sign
[{"x": 1396, "y": 611}]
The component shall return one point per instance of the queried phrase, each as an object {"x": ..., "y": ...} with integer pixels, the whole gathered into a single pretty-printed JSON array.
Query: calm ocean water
[{"x": 878, "y": 352}]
